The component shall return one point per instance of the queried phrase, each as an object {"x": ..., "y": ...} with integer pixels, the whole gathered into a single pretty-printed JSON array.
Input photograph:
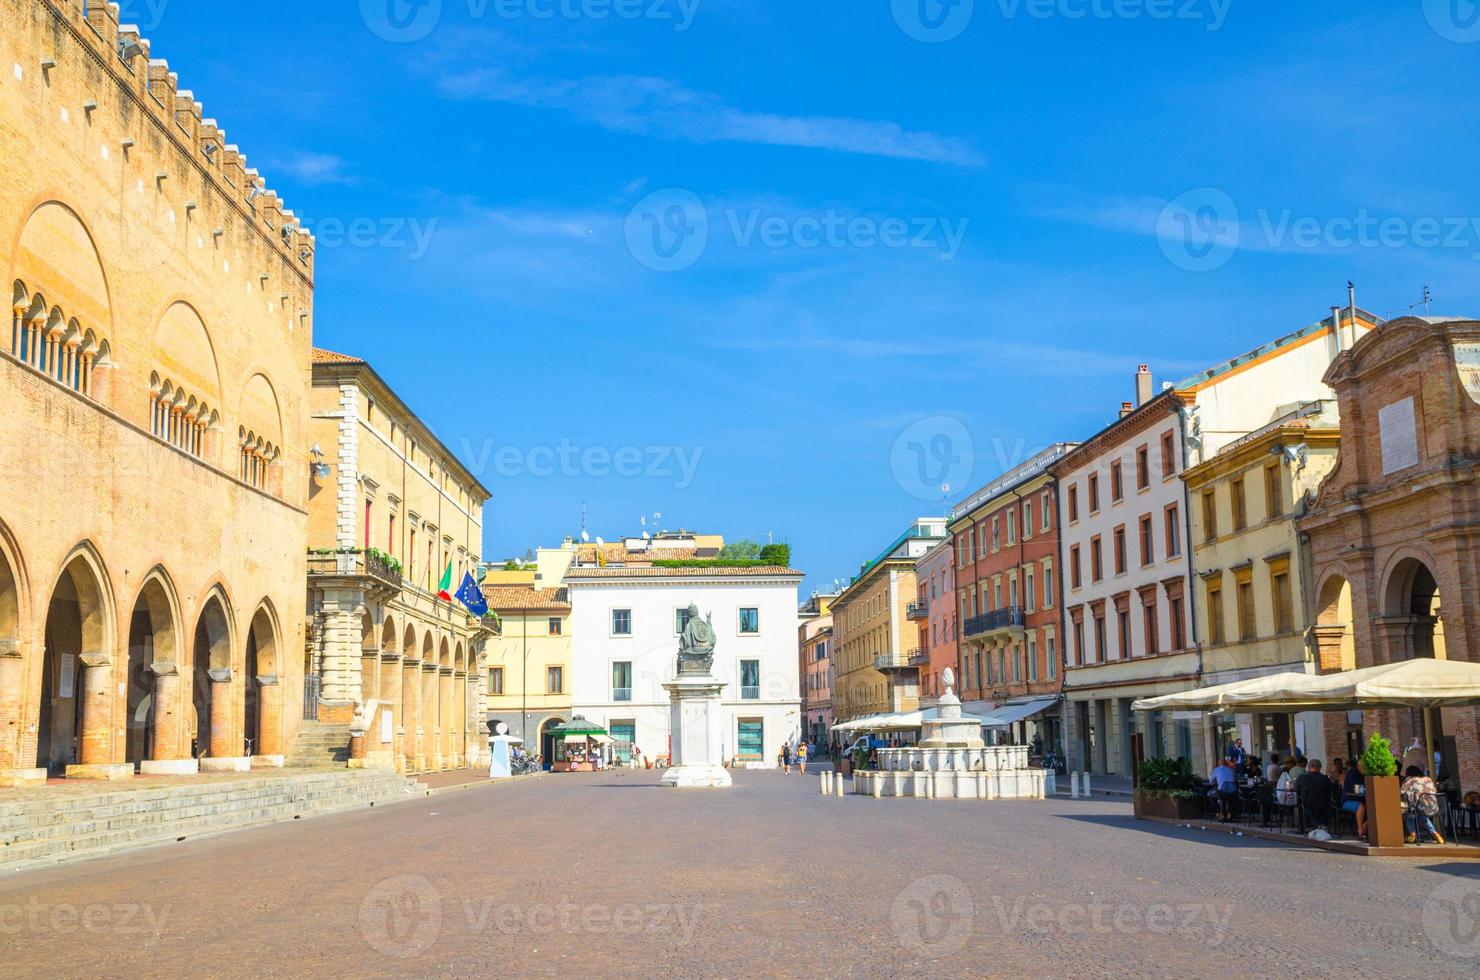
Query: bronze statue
[{"x": 696, "y": 644}]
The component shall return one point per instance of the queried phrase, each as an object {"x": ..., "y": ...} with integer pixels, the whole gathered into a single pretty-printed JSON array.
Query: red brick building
[
  {"x": 934, "y": 611},
  {"x": 1394, "y": 534},
  {"x": 1008, "y": 595}
]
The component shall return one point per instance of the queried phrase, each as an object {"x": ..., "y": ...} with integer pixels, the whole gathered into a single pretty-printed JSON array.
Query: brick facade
[
  {"x": 155, "y": 375},
  {"x": 1394, "y": 532}
]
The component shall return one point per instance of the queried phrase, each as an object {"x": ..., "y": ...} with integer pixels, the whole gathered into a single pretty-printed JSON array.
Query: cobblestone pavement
[{"x": 606, "y": 874}]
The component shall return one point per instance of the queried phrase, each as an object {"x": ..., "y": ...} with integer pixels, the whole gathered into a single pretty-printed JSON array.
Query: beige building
[
  {"x": 152, "y": 516},
  {"x": 1250, "y": 594},
  {"x": 390, "y": 509},
  {"x": 528, "y": 667},
  {"x": 872, "y": 672}
]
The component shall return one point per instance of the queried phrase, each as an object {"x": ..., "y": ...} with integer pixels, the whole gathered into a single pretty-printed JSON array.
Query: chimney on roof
[
  {"x": 1143, "y": 385},
  {"x": 1336, "y": 325},
  {"x": 1126, "y": 408}
]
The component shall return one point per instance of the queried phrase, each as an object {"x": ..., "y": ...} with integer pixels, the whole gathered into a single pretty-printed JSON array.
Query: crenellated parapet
[{"x": 163, "y": 120}]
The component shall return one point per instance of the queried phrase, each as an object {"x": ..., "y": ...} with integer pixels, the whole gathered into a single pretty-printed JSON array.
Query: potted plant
[
  {"x": 1165, "y": 788},
  {"x": 1384, "y": 812}
]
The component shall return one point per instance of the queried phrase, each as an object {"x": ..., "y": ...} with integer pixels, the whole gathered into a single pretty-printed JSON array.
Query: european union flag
[{"x": 471, "y": 596}]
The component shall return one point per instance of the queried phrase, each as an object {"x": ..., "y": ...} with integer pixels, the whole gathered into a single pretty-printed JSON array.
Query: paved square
[{"x": 608, "y": 875}]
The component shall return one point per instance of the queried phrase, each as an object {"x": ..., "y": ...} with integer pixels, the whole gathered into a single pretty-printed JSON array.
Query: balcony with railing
[
  {"x": 378, "y": 569},
  {"x": 917, "y": 658},
  {"x": 891, "y": 661},
  {"x": 919, "y": 609},
  {"x": 621, "y": 694},
  {"x": 1010, "y": 619}
]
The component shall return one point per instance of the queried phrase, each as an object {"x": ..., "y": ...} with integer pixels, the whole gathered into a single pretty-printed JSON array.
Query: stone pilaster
[{"x": 340, "y": 650}]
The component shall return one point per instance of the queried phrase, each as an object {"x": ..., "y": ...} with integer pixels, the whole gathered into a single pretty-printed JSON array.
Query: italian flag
[{"x": 444, "y": 587}]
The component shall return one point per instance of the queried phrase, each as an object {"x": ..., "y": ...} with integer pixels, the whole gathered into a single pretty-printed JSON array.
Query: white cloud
[
  {"x": 316, "y": 169},
  {"x": 659, "y": 107}
]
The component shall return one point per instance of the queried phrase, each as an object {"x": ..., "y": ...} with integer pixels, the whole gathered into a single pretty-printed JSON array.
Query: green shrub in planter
[
  {"x": 1378, "y": 759},
  {"x": 1158, "y": 778}
]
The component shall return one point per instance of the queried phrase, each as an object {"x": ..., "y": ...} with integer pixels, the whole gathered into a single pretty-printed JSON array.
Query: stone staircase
[
  {"x": 320, "y": 745},
  {"x": 63, "y": 823}
]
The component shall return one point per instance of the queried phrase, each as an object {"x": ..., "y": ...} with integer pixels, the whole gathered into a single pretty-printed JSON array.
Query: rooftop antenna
[{"x": 585, "y": 523}]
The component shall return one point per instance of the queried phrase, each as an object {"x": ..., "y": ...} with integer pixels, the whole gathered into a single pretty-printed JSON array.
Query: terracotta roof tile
[
  {"x": 321, "y": 356},
  {"x": 645, "y": 571},
  {"x": 512, "y": 598}
]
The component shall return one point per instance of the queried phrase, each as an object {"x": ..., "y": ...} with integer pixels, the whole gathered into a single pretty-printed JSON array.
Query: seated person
[
  {"x": 1423, "y": 804},
  {"x": 1272, "y": 771},
  {"x": 1225, "y": 782},
  {"x": 1313, "y": 789},
  {"x": 1284, "y": 791}
]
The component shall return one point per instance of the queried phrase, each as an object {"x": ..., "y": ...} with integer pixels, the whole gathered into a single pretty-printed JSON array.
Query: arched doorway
[
  {"x": 410, "y": 700},
  {"x": 1411, "y": 600},
  {"x": 547, "y": 741},
  {"x": 12, "y": 663},
  {"x": 1334, "y": 636},
  {"x": 428, "y": 681},
  {"x": 151, "y": 654},
  {"x": 211, "y": 687},
  {"x": 76, "y": 673},
  {"x": 262, "y": 709}
]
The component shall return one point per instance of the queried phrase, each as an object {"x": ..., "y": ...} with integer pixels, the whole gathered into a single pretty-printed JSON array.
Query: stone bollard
[
  {"x": 838, "y": 785},
  {"x": 825, "y": 780},
  {"x": 1074, "y": 785},
  {"x": 1086, "y": 784},
  {"x": 878, "y": 787}
]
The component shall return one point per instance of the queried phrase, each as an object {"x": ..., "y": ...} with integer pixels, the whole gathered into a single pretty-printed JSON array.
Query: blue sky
[{"x": 747, "y": 264}]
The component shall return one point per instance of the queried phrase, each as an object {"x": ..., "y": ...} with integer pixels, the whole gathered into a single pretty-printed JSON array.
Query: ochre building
[
  {"x": 155, "y": 382},
  {"x": 390, "y": 510}
]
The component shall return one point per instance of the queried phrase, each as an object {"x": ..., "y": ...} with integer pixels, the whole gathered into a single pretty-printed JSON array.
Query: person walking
[
  {"x": 785, "y": 757},
  {"x": 803, "y": 751}
]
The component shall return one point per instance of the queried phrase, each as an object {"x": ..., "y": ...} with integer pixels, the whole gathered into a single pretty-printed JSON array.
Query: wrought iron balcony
[
  {"x": 891, "y": 661},
  {"x": 1009, "y": 618},
  {"x": 382, "y": 570},
  {"x": 917, "y": 658},
  {"x": 621, "y": 694},
  {"x": 919, "y": 609}
]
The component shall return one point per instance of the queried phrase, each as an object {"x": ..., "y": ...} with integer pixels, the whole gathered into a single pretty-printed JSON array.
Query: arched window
[
  {"x": 178, "y": 417},
  {"x": 47, "y": 340}
]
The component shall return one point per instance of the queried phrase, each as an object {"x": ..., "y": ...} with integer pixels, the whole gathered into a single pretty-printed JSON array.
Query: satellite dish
[
  {"x": 599, "y": 541},
  {"x": 586, "y": 536},
  {"x": 646, "y": 536}
]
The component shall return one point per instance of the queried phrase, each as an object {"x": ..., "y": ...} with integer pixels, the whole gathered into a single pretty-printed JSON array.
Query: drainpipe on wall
[{"x": 1351, "y": 301}]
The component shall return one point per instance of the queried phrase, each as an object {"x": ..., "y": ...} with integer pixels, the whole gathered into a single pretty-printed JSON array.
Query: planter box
[
  {"x": 1168, "y": 807},
  {"x": 1384, "y": 812}
]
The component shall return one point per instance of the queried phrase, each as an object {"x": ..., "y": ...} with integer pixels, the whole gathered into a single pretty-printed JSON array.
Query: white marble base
[
  {"x": 268, "y": 761},
  {"x": 698, "y": 777},
  {"x": 169, "y": 767},
  {"x": 226, "y": 764},
  {"x": 1011, "y": 784},
  {"x": 696, "y": 732}
]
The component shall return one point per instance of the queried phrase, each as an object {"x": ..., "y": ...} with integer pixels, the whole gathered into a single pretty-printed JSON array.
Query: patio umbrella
[
  {"x": 1423, "y": 683},
  {"x": 578, "y": 725}
]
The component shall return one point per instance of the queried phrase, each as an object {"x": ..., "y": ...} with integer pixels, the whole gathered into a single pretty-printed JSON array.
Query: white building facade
[{"x": 625, "y": 625}]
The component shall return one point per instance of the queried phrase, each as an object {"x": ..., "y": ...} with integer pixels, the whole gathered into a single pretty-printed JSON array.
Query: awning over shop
[
  {"x": 1010, "y": 714},
  {"x": 906, "y": 721},
  {"x": 1421, "y": 683}
]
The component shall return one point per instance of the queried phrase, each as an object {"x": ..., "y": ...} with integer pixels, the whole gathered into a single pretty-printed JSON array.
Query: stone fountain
[{"x": 952, "y": 762}]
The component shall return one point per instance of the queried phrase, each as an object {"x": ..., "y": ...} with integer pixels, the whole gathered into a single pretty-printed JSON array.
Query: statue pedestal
[{"x": 697, "y": 732}]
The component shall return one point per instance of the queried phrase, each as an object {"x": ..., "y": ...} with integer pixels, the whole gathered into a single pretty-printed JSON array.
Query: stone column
[
  {"x": 13, "y": 771},
  {"x": 169, "y": 756},
  {"x": 1327, "y": 640},
  {"x": 341, "y": 651},
  {"x": 431, "y": 742},
  {"x": 387, "y": 755},
  {"x": 1394, "y": 636},
  {"x": 410, "y": 730},
  {"x": 463, "y": 741},
  {"x": 446, "y": 722},
  {"x": 95, "y": 741},
  {"x": 225, "y": 752},
  {"x": 269, "y": 722}
]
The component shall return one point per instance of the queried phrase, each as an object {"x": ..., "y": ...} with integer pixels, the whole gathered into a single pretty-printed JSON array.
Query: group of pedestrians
[{"x": 797, "y": 756}]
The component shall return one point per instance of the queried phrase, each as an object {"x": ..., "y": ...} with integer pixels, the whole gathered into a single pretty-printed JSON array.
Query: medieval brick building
[
  {"x": 155, "y": 384},
  {"x": 1394, "y": 534}
]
